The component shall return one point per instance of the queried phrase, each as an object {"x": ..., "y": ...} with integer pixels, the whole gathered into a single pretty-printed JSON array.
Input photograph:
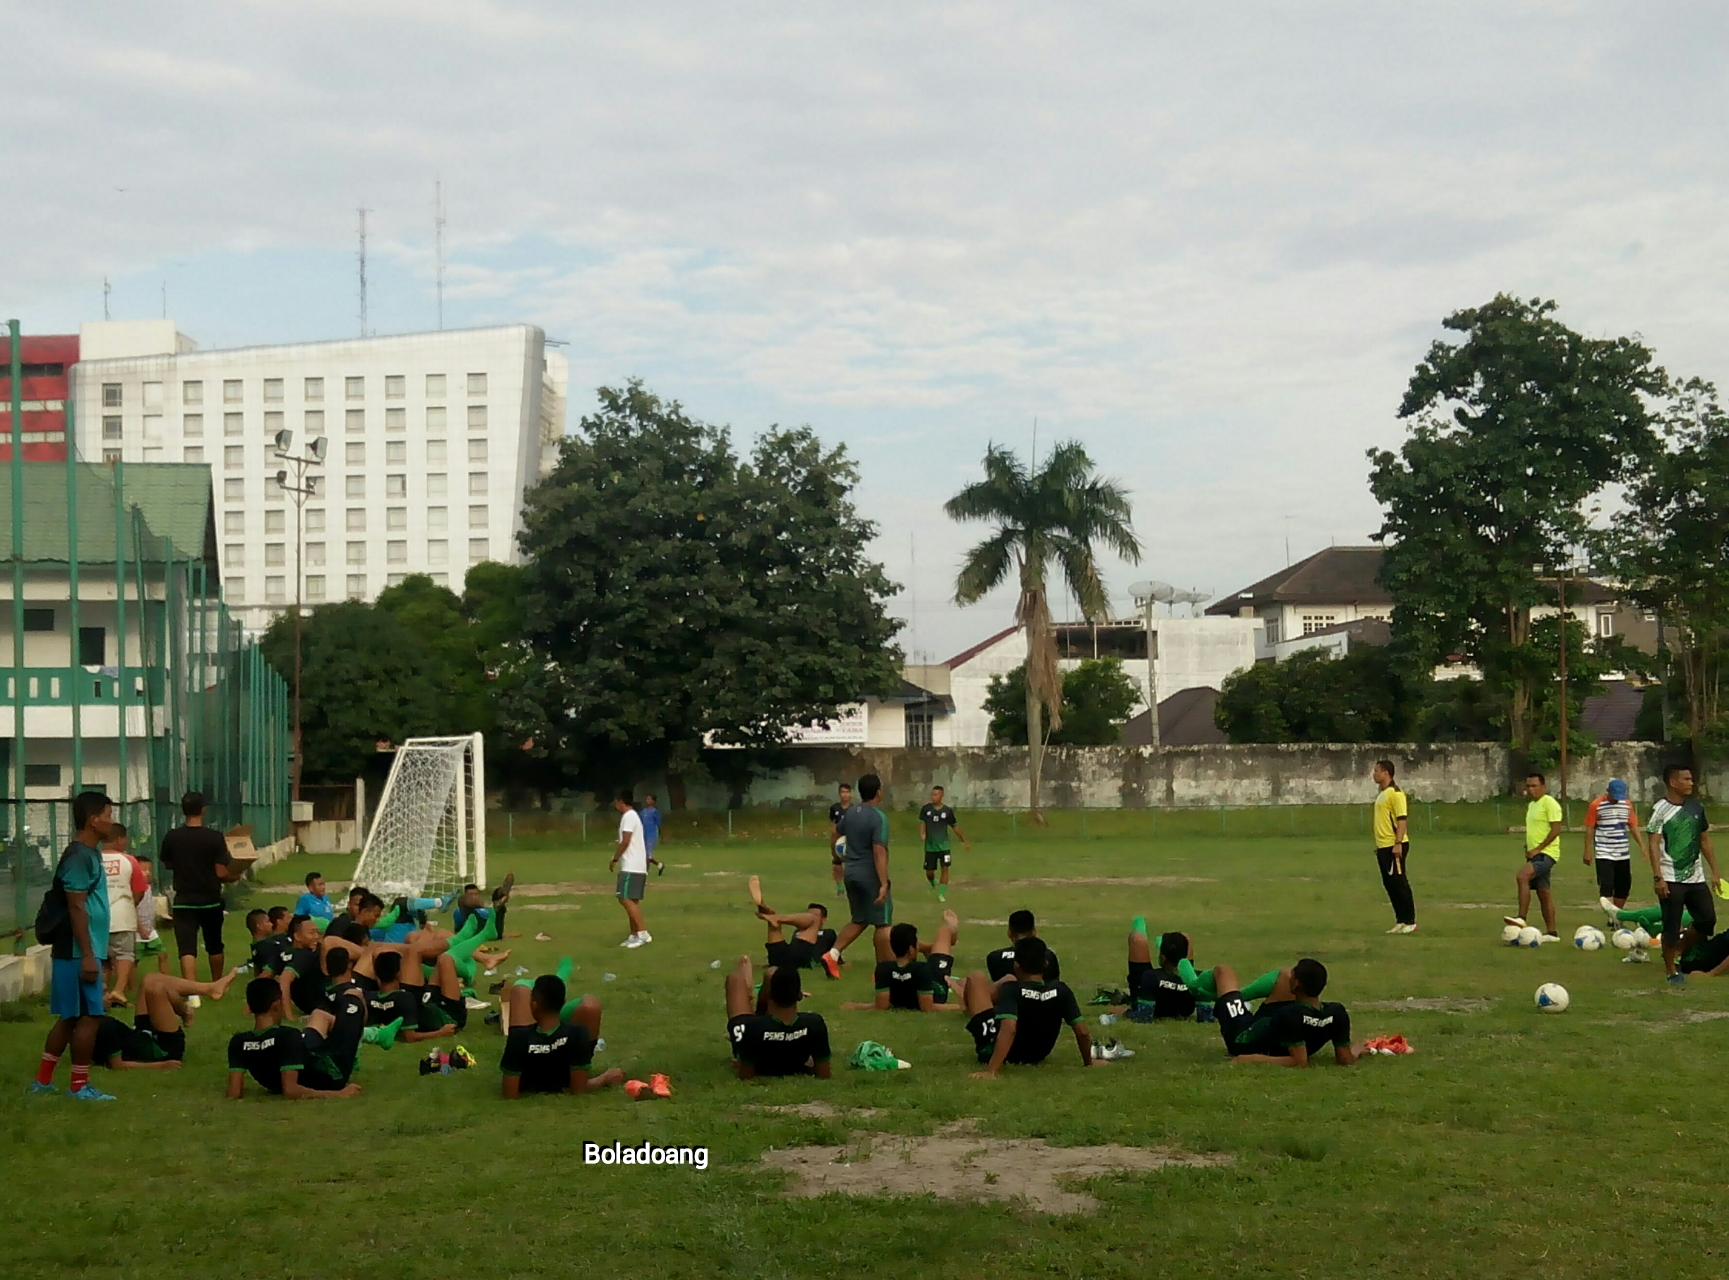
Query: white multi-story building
[{"x": 432, "y": 440}]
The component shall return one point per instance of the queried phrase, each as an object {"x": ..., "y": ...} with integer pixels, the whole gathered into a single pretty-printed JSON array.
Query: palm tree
[{"x": 1055, "y": 512}]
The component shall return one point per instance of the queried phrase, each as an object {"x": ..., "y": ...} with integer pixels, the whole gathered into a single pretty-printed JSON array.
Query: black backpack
[{"x": 53, "y": 920}]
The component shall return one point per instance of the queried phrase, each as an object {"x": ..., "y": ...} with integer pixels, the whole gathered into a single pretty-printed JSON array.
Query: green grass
[{"x": 1531, "y": 1144}]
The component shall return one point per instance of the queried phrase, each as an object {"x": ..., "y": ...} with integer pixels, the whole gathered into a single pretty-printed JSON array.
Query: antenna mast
[
  {"x": 438, "y": 244},
  {"x": 363, "y": 212},
  {"x": 106, "y": 290}
]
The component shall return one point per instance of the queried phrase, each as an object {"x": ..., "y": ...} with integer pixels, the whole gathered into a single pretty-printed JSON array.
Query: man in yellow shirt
[
  {"x": 1542, "y": 846},
  {"x": 1393, "y": 846}
]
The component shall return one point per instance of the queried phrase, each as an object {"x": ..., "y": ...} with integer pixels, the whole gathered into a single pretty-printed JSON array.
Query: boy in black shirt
[
  {"x": 1158, "y": 991},
  {"x": 280, "y": 1057},
  {"x": 156, "y": 1037},
  {"x": 543, "y": 1053},
  {"x": 836, "y": 844},
  {"x": 811, "y": 938},
  {"x": 269, "y": 945},
  {"x": 908, "y": 982},
  {"x": 1019, "y": 1020},
  {"x": 1000, "y": 963},
  {"x": 396, "y": 1004},
  {"x": 770, "y": 1036},
  {"x": 936, "y": 820},
  {"x": 1292, "y": 1024}
]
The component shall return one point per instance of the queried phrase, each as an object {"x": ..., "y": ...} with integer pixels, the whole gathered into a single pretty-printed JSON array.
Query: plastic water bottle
[
  {"x": 609, "y": 977},
  {"x": 714, "y": 964},
  {"x": 1105, "y": 1019}
]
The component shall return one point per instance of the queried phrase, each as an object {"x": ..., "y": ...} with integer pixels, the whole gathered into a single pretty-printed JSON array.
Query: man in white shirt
[
  {"x": 631, "y": 859},
  {"x": 125, "y": 882}
]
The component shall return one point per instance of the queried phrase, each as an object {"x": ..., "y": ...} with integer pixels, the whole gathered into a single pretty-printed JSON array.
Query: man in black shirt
[
  {"x": 836, "y": 842},
  {"x": 1292, "y": 1024},
  {"x": 269, "y": 945},
  {"x": 1157, "y": 990},
  {"x": 277, "y": 1055},
  {"x": 428, "y": 973},
  {"x": 543, "y": 1053},
  {"x": 936, "y": 820},
  {"x": 908, "y": 981},
  {"x": 199, "y": 859},
  {"x": 811, "y": 938},
  {"x": 1000, "y": 963},
  {"x": 396, "y": 1004},
  {"x": 300, "y": 970},
  {"x": 1018, "y": 1021},
  {"x": 155, "y": 1039},
  {"x": 769, "y": 1035}
]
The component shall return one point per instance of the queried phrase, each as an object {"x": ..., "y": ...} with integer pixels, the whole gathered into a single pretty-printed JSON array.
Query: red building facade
[{"x": 46, "y": 387}]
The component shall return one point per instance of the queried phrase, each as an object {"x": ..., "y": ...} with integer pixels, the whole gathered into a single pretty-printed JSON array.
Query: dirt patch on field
[
  {"x": 820, "y": 1111},
  {"x": 1430, "y": 1004},
  {"x": 546, "y": 906},
  {"x": 961, "y": 1166},
  {"x": 1127, "y": 882},
  {"x": 1469, "y": 906}
]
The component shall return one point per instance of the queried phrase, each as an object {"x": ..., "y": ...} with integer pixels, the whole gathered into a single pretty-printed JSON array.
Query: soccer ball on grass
[
  {"x": 1588, "y": 937},
  {"x": 1624, "y": 940},
  {"x": 1510, "y": 935},
  {"x": 1552, "y": 998},
  {"x": 1530, "y": 936}
]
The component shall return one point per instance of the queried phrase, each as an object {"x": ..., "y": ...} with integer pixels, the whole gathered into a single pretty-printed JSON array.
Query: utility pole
[
  {"x": 438, "y": 244},
  {"x": 1561, "y": 584},
  {"x": 20, "y": 827},
  {"x": 363, "y": 212},
  {"x": 304, "y": 487},
  {"x": 106, "y": 290}
]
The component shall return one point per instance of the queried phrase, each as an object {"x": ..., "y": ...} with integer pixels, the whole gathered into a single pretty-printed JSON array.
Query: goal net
[{"x": 428, "y": 835}]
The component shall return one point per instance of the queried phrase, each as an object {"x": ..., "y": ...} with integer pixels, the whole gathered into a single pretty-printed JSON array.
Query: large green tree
[
  {"x": 1367, "y": 695},
  {"x": 1097, "y": 698},
  {"x": 1514, "y": 427},
  {"x": 1047, "y": 515},
  {"x": 676, "y": 594}
]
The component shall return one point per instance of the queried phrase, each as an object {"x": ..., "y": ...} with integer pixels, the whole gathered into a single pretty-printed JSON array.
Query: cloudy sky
[{"x": 1207, "y": 241}]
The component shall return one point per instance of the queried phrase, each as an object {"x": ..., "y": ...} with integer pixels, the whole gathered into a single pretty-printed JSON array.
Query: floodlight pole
[
  {"x": 1152, "y": 675},
  {"x": 1561, "y": 585},
  {"x": 20, "y": 826},
  {"x": 303, "y": 488}
]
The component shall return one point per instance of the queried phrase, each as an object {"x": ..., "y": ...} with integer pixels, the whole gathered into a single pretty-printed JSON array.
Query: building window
[
  {"x": 41, "y": 775},
  {"x": 192, "y": 426},
  {"x": 275, "y": 522},
  {"x": 231, "y": 391},
  {"x": 437, "y": 551},
  {"x": 192, "y": 453},
  {"x": 396, "y": 454},
  {"x": 437, "y": 453},
  {"x": 354, "y": 422},
  {"x": 1605, "y": 625},
  {"x": 396, "y": 486},
  {"x": 357, "y": 586},
  {"x": 396, "y": 419},
  {"x": 272, "y": 489},
  {"x": 395, "y": 386},
  {"x": 435, "y": 419},
  {"x": 110, "y": 395},
  {"x": 275, "y": 555},
  {"x": 315, "y": 388},
  {"x": 477, "y": 484},
  {"x": 273, "y": 421},
  {"x": 396, "y": 552},
  {"x": 234, "y": 555},
  {"x": 354, "y": 487},
  {"x": 233, "y": 424},
  {"x": 439, "y": 579},
  {"x": 38, "y": 619},
  {"x": 357, "y": 553},
  {"x": 1313, "y": 622},
  {"x": 477, "y": 517},
  {"x": 354, "y": 388},
  {"x": 234, "y": 490},
  {"x": 356, "y": 520},
  {"x": 436, "y": 486},
  {"x": 315, "y": 586},
  {"x": 111, "y": 456},
  {"x": 920, "y": 728},
  {"x": 355, "y": 454},
  {"x": 437, "y": 519},
  {"x": 314, "y": 423},
  {"x": 315, "y": 520},
  {"x": 1272, "y": 631},
  {"x": 152, "y": 395},
  {"x": 315, "y": 553},
  {"x": 113, "y": 427},
  {"x": 477, "y": 550},
  {"x": 191, "y": 393},
  {"x": 236, "y": 590},
  {"x": 477, "y": 384},
  {"x": 273, "y": 590},
  {"x": 477, "y": 417},
  {"x": 272, "y": 395},
  {"x": 153, "y": 426},
  {"x": 234, "y": 457},
  {"x": 396, "y": 519},
  {"x": 234, "y": 523},
  {"x": 92, "y": 646},
  {"x": 477, "y": 451},
  {"x": 396, "y": 579},
  {"x": 435, "y": 386}
]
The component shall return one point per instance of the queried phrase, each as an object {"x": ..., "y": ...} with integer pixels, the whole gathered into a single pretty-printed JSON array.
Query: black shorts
[
  {"x": 793, "y": 954},
  {"x": 1138, "y": 969},
  {"x": 1614, "y": 877},
  {"x": 861, "y": 901},
  {"x": 1234, "y": 1017},
  {"x": 735, "y": 1030},
  {"x": 935, "y": 858},
  {"x": 942, "y": 966},
  {"x": 438, "y": 1010},
  {"x": 1695, "y": 899},
  {"x": 983, "y": 1029},
  {"x": 188, "y": 921},
  {"x": 1541, "y": 865}
]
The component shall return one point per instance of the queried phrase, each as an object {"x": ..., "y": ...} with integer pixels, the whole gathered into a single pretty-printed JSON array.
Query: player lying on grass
[
  {"x": 314, "y": 1063},
  {"x": 155, "y": 1039},
  {"x": 909, "y": 982},
  {"x": 300, "y": 971},
  {"x": 1292, "y": 1024},
  {"x": 768, "y": 1033},
  {"x": 548, "y": 1044},
  {"x": 1000, "y": 963},
  {"x": 1017, "y": 1021},
  {"x": 399, "y": 1000},
  {"x": 1181, "y": 962},
  {"x": 811, "y": 937}
]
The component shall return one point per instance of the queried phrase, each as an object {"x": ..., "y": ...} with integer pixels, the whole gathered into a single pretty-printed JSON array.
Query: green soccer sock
[
  {"x": 1139, "y": 925},
  {"x": 384, "y": 1037},
  {"x": 1648, "y": 918},
  {"x": 564, "y": 967},
  {"x": 570, "y": 1007},
  {"x": 1262, "y": 987},
  {"x": 389, "y": 917},
  {"x": 1200, "y": 983}
]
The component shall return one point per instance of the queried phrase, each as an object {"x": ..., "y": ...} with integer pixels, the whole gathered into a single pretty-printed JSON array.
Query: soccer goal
[{"x": 428, "y": 835}]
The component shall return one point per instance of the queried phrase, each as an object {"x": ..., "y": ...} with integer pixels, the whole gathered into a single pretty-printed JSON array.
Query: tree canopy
[{"x": 1097, "y": 698}]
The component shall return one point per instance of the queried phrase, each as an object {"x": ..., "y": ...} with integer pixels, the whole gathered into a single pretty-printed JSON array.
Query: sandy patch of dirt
[
  {"x": 961, "y": 1166},
  {"x": 1430, "y": 1004},
  {"x": 820, "y": 1111}
]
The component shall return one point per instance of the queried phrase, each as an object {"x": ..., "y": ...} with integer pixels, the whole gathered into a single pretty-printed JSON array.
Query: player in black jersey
[
  {"x": 548, "y": 1044},
  {"x": 1019, "y": 1019},
  {"x": 1292, "y": 1024},
  {"x": 836, "y": 842},
  {"x": 1158, "y": 990},
  {"x": 1000, "y": 963},
  {"x": 910, "y": 981},
  {"x": 428, "y": 972},
  {"x": 156, "y": 1036},
  {"x": 768, "y": 1034},
  {"x": 295, "y": 1063},
  {"x": 811, "y": 939},
  {"x": 400, "y": 1000},
  {"x": 269, "y": 944}
]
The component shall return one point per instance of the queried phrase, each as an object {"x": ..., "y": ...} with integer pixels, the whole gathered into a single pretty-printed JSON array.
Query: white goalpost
[{"x": 428, "y": 832}]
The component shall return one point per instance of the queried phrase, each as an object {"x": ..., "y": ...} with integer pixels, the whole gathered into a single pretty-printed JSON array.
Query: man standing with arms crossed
[
  {"x": 1542, "y": 844},
  {"x": 1677, "y": 837},
  {"x": 198, "y": 857},
  {"x": 865, "y": 875},
  {"x": 75, "y": 976},
  {"x": 936, "y": 819},
  {"x": 631, "y": 859},
  {"x": 836, "y": 842},
  {"x": 1393, "y": 846}
]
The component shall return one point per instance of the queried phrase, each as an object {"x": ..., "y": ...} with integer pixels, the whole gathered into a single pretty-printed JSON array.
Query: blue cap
[{"x": 1617, "y": 789}]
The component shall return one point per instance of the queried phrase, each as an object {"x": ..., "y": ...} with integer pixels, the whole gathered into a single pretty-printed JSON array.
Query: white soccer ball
[
  {"x": 840, "y": 847},
  {"x": 1530, "y": 936},
  {"x": 1589, "y": 938},
  {"x": 1623, "y": 940},
  {"x": 1641, "y": 938},
  {"x": 1552, "y": 998},
  {"x": 1510, "y": 935}
]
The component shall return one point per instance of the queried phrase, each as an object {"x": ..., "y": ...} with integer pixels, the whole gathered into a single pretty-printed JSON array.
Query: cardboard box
[{"x": 241, "y": 850}]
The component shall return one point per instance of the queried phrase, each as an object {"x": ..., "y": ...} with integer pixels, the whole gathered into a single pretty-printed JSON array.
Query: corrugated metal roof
[{"x": 174, "y": 499}]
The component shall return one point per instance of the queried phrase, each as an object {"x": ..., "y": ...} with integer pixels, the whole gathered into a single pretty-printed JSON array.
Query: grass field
[{"x": 1512, "y": 1140}]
